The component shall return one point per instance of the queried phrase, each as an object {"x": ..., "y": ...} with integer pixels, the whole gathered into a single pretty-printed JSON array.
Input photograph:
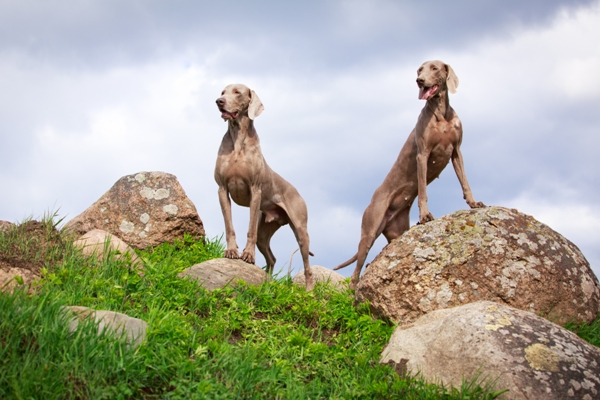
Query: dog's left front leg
[
  {"x": 250, "y": 250},
  {"x": 459, "y": 168}
]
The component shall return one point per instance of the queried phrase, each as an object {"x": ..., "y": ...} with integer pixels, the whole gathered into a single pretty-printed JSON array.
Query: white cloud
[
  {"x": 360, "y": 19},
  {"x": 333, "y": 129},
  {"x": 533, "y": 67}
]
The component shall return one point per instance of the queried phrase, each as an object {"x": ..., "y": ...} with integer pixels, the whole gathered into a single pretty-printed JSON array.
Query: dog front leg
[
  {"x": 249, "y": 252},
  {"x": 424, "y": 214},
  {"x": 225, "y": 202},
  {"x": 459, "y": 168}
]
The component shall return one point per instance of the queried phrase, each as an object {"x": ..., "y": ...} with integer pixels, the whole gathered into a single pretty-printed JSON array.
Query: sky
[{"x": 91, "y": 91}]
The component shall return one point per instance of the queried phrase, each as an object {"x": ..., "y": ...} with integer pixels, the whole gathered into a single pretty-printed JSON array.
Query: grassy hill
[{"x": 273, "y": 341}]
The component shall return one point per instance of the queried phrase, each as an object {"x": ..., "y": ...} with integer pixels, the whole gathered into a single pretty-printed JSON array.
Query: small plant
[{"x": 588, "y": 332}]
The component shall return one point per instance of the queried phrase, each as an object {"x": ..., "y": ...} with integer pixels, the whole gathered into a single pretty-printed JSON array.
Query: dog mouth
[
  {"x": 226, "y": 115},
  {"x": 425, "y": 93}
]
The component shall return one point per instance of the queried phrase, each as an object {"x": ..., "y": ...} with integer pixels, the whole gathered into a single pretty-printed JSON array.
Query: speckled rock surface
[
  {"x": 322, "y": 274},
  {"x": 133, "y": 329},
  {"x": 10, "y": 277},
  {"x": 530, "y": 356},
  {"x": 95, "y": 241},
  {"x": 144, "y": 210},
  {"x": 5, "y": 225},
  {"x": 217, "y": 273},
  {"x": 491, "y": 253}
]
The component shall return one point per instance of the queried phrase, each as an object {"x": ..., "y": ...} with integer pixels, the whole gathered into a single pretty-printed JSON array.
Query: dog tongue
[{"x": 426, "y": 93}]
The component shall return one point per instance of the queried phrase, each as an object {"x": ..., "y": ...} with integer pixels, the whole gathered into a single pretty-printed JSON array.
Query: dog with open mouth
[
  {"x": 244, "y": 176},
  {"x": 434, "y": 141}
]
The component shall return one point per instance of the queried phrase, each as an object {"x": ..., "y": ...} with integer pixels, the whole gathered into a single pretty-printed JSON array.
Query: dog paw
[
  {"x": 354, "y": 281},
  {"x": 232, "y": 254},
  {"x": 248, "y": 257},
  {"x": 476, "y": 204},
  {"x": 426, "y": 218}
]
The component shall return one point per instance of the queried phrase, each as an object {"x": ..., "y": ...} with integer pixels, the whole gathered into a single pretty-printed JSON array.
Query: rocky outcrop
[
  {"x": 492, "y": 253},
  {"x": 98, "y": 242},
  {"x": 118, "y": 324},
  {"x": 144, "y": 210},
  {"x": 219, "y": 272},
  {"x": 322, "y": 274},
  {"x": 530, "y": 356}
]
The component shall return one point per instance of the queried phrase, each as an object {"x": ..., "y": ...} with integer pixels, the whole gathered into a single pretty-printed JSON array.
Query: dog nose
[
  {"x": 420, "y": 81},
  {"x": 220, "y": 101}
]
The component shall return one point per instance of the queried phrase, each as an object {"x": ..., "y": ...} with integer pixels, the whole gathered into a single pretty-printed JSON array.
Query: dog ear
[
  {"x": 451, "y": 79},
  {"x": 255, "y": 107}
]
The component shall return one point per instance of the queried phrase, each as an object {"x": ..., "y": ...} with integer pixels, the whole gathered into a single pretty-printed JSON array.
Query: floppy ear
[
  {"x": 451, "y": 79},
  {"x": 255, "y": 107}
]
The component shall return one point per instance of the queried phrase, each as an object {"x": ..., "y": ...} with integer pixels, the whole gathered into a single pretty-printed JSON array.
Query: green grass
[
  {"x": 590, "y": 333},
  {"x": 273, "y": 341}
]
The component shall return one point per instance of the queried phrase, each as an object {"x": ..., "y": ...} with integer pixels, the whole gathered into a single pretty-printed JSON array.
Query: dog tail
[{"x": 345, "y": 264}]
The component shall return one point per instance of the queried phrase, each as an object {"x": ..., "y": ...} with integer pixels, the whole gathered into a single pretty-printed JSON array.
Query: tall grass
[{"x": 272, "y": 341}]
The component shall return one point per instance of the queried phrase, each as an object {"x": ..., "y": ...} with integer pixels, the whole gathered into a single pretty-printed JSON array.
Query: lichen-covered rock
[
  {"x": 530, "y": 356},
  {"x": 144, "y": 210},
  {"x": 96, "y": 242},
  {"x": 132, "y": 329},
  {"x": 322, "y": 274},
  {"x": 493, "y": 253},
  {"x": 219, "y": 272}
]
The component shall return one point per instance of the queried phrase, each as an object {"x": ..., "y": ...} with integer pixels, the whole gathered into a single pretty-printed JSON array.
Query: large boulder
[
  {"x": 515, "y": 349},
  {"x": 98, "y": 242},
  {"x": 144, "y": 210},
  {"x": 132, "y": 329},
  {"x": 322, "y": 274},
  {"x": 219, "y": 272},
  {"x": 493, "y": 253}
]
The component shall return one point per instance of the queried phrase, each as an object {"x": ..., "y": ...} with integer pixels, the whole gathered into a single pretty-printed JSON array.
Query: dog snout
[
  {"x": 420, "y": 81},
  {"x": 221, "y": 102}
]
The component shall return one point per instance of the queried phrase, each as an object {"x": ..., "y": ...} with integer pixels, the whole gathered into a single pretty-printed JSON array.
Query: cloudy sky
[{"x": 91, "y": 91}]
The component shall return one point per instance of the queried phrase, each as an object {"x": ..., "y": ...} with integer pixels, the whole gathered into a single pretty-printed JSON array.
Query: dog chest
[{"x": 239, "y": 191}]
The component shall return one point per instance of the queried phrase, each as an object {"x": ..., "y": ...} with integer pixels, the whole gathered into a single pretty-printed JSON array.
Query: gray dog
[
  {"x": 434, "y": 141},
  {"x": 242, "y": 173}
]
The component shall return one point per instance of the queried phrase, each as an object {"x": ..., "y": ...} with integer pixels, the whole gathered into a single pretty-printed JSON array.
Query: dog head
[
  {"x": 237, "y": 100},
  {"x": 434, "y": 78}
]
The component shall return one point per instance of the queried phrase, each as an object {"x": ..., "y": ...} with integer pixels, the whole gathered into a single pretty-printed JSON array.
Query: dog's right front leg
[
  {"x": 249, "y": 253},
  {"x": 225, "y": 202},
  {"x": 424, "y": 214}
]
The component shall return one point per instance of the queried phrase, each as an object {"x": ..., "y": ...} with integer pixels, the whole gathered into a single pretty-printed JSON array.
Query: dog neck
[
  {"x": 439, "y": 105},
  {"x": 241, "y": 129}
]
